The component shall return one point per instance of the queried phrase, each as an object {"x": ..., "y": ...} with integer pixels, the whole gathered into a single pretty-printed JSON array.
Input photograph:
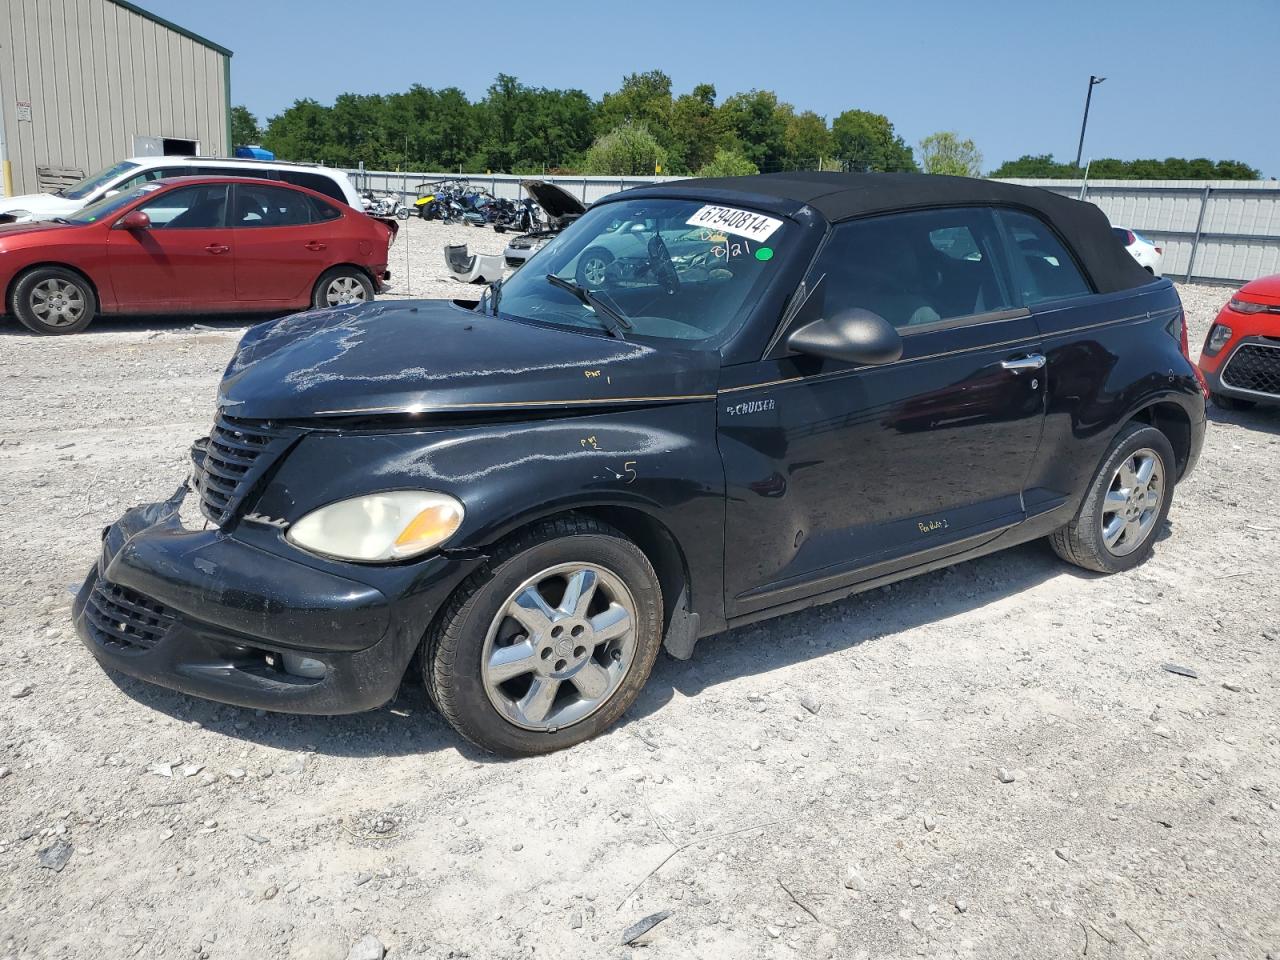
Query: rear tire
[
  {"x": 565, "y": 664},
  {"x": 342, "y": 287},
  {"x": 1231, "y": 403},
  {"x": 1116, "y": 527},
  {"x": 52, "y": 301}
]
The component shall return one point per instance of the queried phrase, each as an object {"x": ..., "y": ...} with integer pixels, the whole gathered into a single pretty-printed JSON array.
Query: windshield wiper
[
  {"x": 60, "y": 220},
  {"x": 495, "y": 294},
  {"x": 612, "y": 319}
]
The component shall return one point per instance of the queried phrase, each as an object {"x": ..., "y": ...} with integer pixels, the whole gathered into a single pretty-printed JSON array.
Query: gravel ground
[{"x": 829, "y": 784}]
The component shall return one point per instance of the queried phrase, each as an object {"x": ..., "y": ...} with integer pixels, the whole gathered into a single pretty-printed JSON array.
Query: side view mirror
[
  {"x": 110, "y": 193},
  {"x": 135, "y": 220},
  {"x": 854, "y": 336}
]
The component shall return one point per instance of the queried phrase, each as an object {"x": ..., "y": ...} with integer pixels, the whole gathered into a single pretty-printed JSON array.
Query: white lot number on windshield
[{"x": 742, "y": 223}]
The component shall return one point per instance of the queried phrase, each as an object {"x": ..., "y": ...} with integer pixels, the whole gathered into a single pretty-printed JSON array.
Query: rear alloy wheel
[
  {"x": 1125, "y": 506},
  {"x": 53, "y": 301},
  {"x": 342, "y": 287},
  {"x": 550, "y": 642}
]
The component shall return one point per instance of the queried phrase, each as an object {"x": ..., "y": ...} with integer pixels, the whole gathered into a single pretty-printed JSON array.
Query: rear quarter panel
[{"x": 1109, "y": 357}]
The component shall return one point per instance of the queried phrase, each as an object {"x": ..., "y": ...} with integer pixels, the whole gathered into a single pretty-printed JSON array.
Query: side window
[
  {"x": 1043, "y": 267},
  {"x": 915, "y": 268},
  {"x": 321, "y": 211},
  {"x": 268, "y": 206},
  {"x": 142, "y": 178},
  {"x": 314, "y": 181},
  {"x": 188, "y": 208}
]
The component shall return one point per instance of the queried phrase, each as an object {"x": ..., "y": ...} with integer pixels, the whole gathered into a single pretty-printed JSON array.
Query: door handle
[
  {"x": 1033, "y": 361},
  {"x": 217, "y": 248},
  {"x": 315, "y": 245}
]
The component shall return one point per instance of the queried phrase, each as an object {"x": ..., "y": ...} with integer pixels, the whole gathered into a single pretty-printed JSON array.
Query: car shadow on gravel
[
  {"x": 410, "y": 725},
  {"x": 877, "y": 615},
  {"x": 1262, "y": 419}
]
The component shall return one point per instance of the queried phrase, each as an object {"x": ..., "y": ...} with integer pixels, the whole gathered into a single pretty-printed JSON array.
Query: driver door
[
  {"x": 185, "y": 261},
  {"x": 838, "y": 473}
]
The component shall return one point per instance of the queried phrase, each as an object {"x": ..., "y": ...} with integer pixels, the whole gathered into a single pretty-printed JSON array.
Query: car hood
[
  {"x": 436, "y": 357},
  {"x": 40, "y": 204},
  {"x": 1263, "y": 290},
  {"x": 23, "y": 230},
  {"x": 556, "y": 201}
]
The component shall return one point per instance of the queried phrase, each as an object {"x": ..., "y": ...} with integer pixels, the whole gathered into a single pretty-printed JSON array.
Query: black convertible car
[{"x": 758, "y": 394}]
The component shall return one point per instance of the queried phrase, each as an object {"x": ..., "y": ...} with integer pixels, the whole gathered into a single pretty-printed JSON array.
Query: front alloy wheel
[
  {"x": 549, "y": 642},
  {"x": 560, "y": 646},
  {"x": 53, "y": 300}
]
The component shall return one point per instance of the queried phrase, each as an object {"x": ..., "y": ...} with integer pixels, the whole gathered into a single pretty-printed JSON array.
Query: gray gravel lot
[{"x": 829, "y": 784}]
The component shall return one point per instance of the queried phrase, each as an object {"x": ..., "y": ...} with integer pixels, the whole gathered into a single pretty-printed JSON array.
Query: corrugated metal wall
[
  {"x": 1232, "y": 226},
  {"x": 96, "y": 75}
]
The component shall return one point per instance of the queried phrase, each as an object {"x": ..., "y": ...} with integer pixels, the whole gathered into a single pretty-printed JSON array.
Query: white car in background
[
  {"x": 136, "y": 171},
  {"x": 1148, "y": 255}
]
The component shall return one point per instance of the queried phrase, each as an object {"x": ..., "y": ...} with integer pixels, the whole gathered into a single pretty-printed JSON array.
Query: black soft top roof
[{"x": 844, "y": 196}]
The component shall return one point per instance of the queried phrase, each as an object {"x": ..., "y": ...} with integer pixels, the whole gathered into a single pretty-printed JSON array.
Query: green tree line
[
  {"x": 641, "y": 127},
  {"x": 1171, "y": 168},
  {"x": 518, "y": 128}
]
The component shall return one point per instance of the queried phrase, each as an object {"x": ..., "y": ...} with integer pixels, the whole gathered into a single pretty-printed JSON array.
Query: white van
[{"x": 128, "y": 174}]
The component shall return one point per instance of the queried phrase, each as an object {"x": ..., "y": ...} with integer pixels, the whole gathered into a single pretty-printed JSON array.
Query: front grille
[
  {"x": 124, "y": 621},
  {"x": 239, "y": 452},
  {"x": 1254, "y": 367}
]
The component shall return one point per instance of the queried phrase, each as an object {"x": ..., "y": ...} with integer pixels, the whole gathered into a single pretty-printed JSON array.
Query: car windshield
[
  {"x": 78, "y": 191},
  {"x": 108, "y": 206},
  {"x": 675, "y": 269}
]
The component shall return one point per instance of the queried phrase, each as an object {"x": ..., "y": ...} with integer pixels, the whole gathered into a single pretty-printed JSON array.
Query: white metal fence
[
  {"x": 1219, "y": 231},
  {"x": 1216, "y": 231},
  {"x": 503, "y": 185}
]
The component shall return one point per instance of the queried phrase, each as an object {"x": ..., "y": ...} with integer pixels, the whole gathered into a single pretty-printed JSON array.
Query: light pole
[{"x": 1093, "y": 82}]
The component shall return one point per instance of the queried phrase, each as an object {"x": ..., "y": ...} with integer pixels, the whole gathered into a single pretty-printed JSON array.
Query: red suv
[
  {"x": 1241, "y": 356},
  {"x": 192, "y": 245}
]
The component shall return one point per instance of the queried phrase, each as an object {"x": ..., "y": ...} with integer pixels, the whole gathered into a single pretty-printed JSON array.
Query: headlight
[
  {"x": 16, "y": 215},
  {"x": 1244, "y": 306},
  {"x": 379, "y": 527},
  {"x": 1218, "y": 337}
]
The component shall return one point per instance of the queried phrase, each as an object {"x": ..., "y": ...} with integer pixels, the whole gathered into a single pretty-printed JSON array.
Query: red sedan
[
  {"x": 192, "y": 245},
  {"x": 1241, "y": 355}
]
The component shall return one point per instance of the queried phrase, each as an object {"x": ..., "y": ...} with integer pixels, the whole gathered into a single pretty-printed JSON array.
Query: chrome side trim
[
  {"x": 513, "y": 404},
  {"x": 822, "y": 377}
]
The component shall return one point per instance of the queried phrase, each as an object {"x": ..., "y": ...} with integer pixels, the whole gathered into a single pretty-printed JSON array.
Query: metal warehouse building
[{"x": 85, "y": 83}]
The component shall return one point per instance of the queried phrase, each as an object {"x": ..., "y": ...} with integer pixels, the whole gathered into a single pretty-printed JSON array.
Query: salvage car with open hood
[
  {"x": 777, "y": 391},
  {"x": 559, "y": 206}
]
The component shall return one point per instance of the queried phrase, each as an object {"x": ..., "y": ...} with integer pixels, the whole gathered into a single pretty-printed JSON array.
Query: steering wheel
[{"x": 660, "y": 262}]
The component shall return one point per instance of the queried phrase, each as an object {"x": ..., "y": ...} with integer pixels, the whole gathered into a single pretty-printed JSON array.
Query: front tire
[
  {"x": 549, "y": 643},
  {"x": 341, "y": 287},
  {"x": 1126, "y": 504},
  {"x": 52, "y": 301}
]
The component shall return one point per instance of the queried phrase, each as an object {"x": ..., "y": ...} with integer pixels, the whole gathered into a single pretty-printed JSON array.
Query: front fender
[{"x": 661, "y": 461}]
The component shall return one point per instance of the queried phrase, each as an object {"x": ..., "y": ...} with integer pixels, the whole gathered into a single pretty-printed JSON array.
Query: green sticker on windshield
[{"x": 764, "y": 253}]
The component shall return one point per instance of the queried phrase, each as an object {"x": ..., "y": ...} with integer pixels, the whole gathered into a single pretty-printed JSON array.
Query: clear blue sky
[{"x": 1184, "y": 77}]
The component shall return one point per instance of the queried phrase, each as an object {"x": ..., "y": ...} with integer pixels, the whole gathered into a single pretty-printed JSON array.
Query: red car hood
[
  {"x": 15, "y": 231},
  {"x": 1263, "y": 290}
]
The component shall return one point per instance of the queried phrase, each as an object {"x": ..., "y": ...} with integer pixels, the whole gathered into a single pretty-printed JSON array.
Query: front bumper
[
  {"x": 212, "y": 616},
  {"x": 1258, "y": 365}
]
